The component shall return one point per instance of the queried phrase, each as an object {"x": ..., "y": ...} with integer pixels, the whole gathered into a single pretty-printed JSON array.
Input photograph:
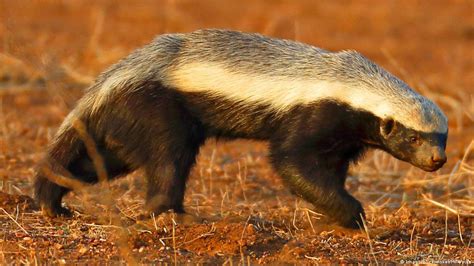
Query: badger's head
[
  {"x": 409, "y": 126},
  {"x": 417, "y": 134}
]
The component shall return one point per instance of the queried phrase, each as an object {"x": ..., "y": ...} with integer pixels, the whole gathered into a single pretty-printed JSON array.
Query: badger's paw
[
  {"x": 57, "y": 211},
  {"x": 352, "y": 217}
]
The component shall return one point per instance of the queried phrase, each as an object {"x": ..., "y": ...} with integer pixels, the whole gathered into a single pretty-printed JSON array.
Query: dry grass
[{"x": 47, "y": 58}]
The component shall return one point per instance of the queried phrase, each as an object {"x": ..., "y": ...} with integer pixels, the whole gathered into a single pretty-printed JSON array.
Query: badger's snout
[
  {"x": 437, "y": 159},
  {"x": 431, "y": 158}
]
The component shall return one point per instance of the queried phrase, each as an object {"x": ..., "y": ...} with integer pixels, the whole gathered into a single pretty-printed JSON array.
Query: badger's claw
[{"x": 56, "y": 211}]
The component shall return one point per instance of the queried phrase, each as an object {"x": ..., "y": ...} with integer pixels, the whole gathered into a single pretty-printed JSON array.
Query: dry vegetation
[{"x": 51, "y": 50}]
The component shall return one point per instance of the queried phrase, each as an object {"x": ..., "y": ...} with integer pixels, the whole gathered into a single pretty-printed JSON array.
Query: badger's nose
[{"x": 438, "y": 157}]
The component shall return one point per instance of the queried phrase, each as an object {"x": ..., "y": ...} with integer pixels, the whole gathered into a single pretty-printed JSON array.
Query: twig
[
  {"x": 210, "y": 233},
  {"x": 411, "y": 239},
  {"x": 76, "y": 76},
  {"x": 447, "y": 207},
  {"x": 310, "y": 222},
  {"x": 174, "y": 243},
  {"x": 460, "y": 231},
  {"x": 91, "y": 148},
  {"x": 13, "y": 219},
  {"x": 312, "y": 258},
  {"x": 241, "y": 240},
  {"x": 64, "y": 179},
  {"x": 370, "y": 241},
  {"x": 294, "y": 216},
  {"x": 241, "y": 181},
  {"x": 445, "y": 234}
]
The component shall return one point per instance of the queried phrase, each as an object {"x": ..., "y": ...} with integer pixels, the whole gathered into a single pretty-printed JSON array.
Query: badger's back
[
  {"x": 255, "y": 69},
  {"x": 261, "y": 78}
]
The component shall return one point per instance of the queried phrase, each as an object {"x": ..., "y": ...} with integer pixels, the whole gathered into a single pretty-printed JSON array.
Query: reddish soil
[{"x": 239, "y": 210}]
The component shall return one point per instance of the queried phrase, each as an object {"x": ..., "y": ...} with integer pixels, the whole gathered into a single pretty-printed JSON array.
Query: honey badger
[{"x": 319, "y": 110}]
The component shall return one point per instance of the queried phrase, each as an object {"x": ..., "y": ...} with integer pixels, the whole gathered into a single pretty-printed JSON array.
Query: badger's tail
[{"x": 53, "y": 180}]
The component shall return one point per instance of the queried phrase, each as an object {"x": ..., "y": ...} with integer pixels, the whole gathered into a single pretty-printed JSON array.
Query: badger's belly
[{"x": 232, "y": 119}]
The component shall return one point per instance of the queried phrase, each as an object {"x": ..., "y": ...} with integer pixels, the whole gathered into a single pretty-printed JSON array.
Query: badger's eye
[{"x": 414, "y": 139}]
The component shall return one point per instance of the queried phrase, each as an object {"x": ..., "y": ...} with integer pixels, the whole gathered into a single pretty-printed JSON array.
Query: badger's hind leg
[
  {"x": 49, "y": 196},
  {"x": 159, "y": 135},
  {"x": 68, "y": 158}
]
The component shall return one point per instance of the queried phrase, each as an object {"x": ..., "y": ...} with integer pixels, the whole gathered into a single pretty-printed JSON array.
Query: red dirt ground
[{"x": 239, "y": 210}]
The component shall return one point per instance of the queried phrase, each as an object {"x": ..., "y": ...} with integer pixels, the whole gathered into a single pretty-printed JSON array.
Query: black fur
[
  {"x": 424, "y": 150},
  {"x": 161, "y": 130}
]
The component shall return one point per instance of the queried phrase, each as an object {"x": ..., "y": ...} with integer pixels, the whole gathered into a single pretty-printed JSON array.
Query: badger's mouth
[
  {"x": 432, "y": 167},
  {"x": 426, "y": 163}
]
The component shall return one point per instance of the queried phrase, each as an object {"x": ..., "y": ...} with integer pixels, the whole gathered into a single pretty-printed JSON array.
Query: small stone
[{"x": 83, "y": 250}]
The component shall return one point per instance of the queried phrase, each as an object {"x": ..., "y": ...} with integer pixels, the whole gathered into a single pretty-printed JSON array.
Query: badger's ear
[{"x": 387, "y": 127}]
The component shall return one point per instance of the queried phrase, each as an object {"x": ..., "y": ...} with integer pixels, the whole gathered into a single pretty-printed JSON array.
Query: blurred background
[{"x": 51, "y": 50}]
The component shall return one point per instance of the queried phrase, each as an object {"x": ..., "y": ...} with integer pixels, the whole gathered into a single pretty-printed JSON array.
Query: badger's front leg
[
  {"x": 167, "y": 169},
  {"x": 167, "y": 183},
  {"x": 319, "y": 179}
]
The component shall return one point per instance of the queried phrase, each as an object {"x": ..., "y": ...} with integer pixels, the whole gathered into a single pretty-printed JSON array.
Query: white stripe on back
[{"x": 282, "y": 92}]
